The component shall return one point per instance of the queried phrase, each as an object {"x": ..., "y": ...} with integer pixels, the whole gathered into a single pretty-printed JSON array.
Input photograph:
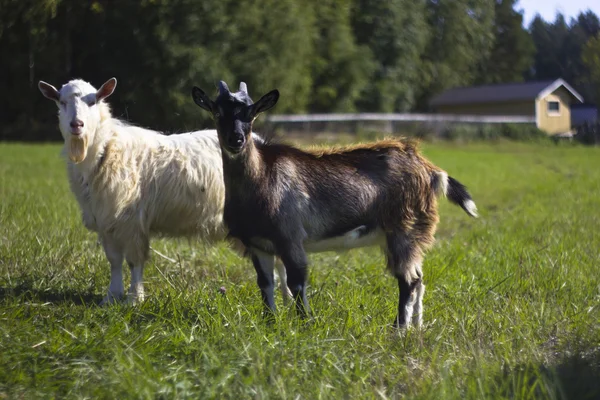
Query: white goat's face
[{"x": 78, "y": 113}]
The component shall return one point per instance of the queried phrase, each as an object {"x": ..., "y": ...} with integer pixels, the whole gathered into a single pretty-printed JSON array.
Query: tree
[
  {"x": 396, "y": 32},
  {"x": 512, "y": 53},
  {"x": 460, "y": 43},
  {"x": 591, "y": 59},
  {"x": 24, "y": 44},
  {"x": 581, "y": 30},
  {"x": 559, "y": 48},
  {"x": 268, "y": 50},
  {"x": 340, "y": 67},
  {"x": 157, "y": 49},
  {"x": 549, "y": 40},
  {"x": 172, "y": 46}
]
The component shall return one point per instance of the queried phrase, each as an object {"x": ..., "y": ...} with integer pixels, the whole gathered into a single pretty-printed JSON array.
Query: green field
[{"x": 511, "y": 307}]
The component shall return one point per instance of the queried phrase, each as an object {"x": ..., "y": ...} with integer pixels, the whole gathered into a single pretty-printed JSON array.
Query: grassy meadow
[{"x": 511, "y": 307}]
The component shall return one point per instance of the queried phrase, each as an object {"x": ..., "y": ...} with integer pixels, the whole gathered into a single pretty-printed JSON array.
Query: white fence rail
[
  {"x": 388, "y": 123},
  {"x": 481, "y": 119}
]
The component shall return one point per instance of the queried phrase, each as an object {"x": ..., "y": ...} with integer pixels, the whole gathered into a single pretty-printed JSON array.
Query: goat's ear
[
  {"x": 106, "y": 89},
  {"x": 265, "y": 103},
  {"x": 201, "y": 99},
  {"x": 48, "y": 91}
]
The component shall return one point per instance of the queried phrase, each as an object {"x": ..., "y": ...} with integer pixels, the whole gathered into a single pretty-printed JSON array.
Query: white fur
[
  {"x": 133, "y": 183},
  {"x": 443, "y": 183},
  {"x": 418, "y": 309},
  {"x": 471, "y": 208},
  {"x": 347, "y": 241},
  {"x": 442, "y": 189}
]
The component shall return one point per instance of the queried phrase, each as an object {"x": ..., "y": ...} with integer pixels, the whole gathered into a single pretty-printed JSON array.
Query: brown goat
[{"x": 285, "y": 201}]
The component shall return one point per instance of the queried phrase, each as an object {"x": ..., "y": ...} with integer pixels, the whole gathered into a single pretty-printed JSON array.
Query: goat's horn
[
  {"x": 243, "y": 87},
  {"x": 223, "y": 89}
]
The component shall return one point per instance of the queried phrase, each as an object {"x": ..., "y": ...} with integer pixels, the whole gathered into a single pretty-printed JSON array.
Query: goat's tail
[{"x": 455, "y": 191}]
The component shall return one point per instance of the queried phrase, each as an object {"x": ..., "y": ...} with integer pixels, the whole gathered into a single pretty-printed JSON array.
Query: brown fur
[
  {"x": 417, "y": 217},
  {"x": 402, "y": 144},
  {"x": 388, "y": 181}
]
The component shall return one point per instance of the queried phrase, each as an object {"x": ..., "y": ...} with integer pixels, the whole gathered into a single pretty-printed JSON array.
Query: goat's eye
[
  {"x": 63, "y": 103},
  {"x": 217, "y": 115}
]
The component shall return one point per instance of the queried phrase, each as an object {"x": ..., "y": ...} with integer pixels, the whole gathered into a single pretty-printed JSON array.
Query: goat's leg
[
  {"x": 114, "y": 254},
  {"x": 425, "y": 229},
  {"x": 136, "y": 259},
  {"x": 285, "y": 291},
  {"x": 296, "y": 266},
  {"x": 404, "y": 260},
  {"x": 136, "y": 291},
  {"x": 418, "y": 311},
  {"x": 263, "y": 264},
  {"x": 406, "y": 302}
]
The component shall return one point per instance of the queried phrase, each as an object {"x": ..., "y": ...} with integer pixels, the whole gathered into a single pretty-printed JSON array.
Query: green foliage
[
  {"x": 517, "y": 132},
  {"x": 461, "y": 132},
  {"x": 185, "y": 47},
  {"x": 591, "y": 59},
  {"x": 460, "y": 41},
  {"x": 323, "y": 56},
  {"x": 396, "y": 32},
  {"x": 511, "y": 306},
  {"x": 158, "y": 50},
  {"x": 267, "y": 50},
  {"x": 522, "y": 132},
  {"x": 582, "y": 29},
  {"x": 512, "y": 53},
  {"x": 340, "y": 68},
  {"x": 24, "y": 45},
  {"x": 589, "y": 133},
  {"x": 549, "y": 39},
  {"x": 560, "y": 51}
]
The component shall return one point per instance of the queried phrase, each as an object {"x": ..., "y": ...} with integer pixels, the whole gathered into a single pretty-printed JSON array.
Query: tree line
[{"x": 323, "y": 55}]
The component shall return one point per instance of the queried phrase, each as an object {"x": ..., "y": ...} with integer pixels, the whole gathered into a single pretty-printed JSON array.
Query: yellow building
[{"x": 548, "y": 103}]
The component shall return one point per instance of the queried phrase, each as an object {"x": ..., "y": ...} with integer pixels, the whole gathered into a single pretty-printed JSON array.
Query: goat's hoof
[
  {"x": 287, "y": 296},
  {"x": 135, "y": 298},
  {"x": 111, "y": 298},
  {"x": 269, "y": 318},
  {"x": 399, "y": 331},
  {"x": 400, "y": 326}
]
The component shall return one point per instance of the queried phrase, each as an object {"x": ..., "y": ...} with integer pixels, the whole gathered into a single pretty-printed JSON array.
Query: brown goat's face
[{"x": 233, "y": 114}]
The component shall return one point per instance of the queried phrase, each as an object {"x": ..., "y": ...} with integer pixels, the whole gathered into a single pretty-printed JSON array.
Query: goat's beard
[{"x": 77, "y": 148}]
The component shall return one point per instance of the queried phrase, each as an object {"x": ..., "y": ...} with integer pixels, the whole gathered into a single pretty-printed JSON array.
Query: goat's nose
[
  {"x": 77, "y": 123},
  {"x": 237, "y": 139}
]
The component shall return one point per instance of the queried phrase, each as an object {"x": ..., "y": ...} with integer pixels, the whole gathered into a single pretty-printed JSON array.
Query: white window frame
[{"x": 553, "y": 113}]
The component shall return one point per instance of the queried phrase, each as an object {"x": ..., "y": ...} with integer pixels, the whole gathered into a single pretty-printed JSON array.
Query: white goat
[{"x": 132, "y": 183}]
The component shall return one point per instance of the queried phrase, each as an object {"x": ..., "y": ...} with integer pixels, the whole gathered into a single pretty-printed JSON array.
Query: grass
[{"x": 511, "y": 306}]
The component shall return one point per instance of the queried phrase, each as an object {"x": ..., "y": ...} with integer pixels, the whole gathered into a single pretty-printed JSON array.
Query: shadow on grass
[
  {"x": 27, "y": 293},
  {"x": 574, "y": 377},
  {"x": 577, "y": 377}
]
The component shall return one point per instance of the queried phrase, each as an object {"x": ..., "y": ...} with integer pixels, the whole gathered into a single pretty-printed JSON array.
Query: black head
[{"x": 234, "y": 113}]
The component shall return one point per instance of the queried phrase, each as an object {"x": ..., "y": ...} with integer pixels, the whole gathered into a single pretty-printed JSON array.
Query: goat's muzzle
[
  {"x": 235, "y": 143},
  {"x": 76, "y": 127}
]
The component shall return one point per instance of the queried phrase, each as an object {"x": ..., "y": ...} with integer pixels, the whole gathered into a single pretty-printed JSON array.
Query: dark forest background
[{"x": 323, "y": 55}]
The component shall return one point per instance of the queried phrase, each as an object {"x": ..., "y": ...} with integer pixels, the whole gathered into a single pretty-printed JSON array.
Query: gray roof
[{"x": 500, "y": 93}]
